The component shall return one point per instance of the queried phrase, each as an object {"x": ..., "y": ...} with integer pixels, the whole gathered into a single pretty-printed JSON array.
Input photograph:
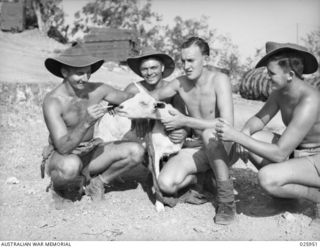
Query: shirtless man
[
  {"x": 299, "y": 105},
  {"x": 70, "y": 112},
  {"x": 207, "y": 95}
]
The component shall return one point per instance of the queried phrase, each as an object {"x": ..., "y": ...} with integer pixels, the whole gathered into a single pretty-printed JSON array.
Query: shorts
[
  {"x": 311, "y": 154},
  {"x": 82, "y": 150}
]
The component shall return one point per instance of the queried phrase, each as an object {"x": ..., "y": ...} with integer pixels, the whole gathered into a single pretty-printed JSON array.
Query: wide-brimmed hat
[
  {"x": 75, "y": 56},
  {"x": 148, "y": 52},
  {"x": 310, "y": 63}
]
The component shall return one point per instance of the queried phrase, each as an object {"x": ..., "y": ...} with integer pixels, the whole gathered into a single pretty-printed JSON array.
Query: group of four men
[{"x": 203, "y": 99}]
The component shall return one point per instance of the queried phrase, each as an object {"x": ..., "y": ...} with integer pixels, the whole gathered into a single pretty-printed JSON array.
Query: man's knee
[
  {"x": 166, "y": 185},
  {"x": 210, "y": 140},
  {"x": 69, "y": 167},
  {"x": 269, "y": 180},
  {"x": 208, "y": 134},
  {"x": 136, "y": 153}
]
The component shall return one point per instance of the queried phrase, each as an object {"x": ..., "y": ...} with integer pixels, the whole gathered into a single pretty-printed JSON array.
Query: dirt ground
[{"x": 27, "y": 211}]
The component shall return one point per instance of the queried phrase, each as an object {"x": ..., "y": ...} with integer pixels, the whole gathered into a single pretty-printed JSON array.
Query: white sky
[{"x": 249, "y": 23}]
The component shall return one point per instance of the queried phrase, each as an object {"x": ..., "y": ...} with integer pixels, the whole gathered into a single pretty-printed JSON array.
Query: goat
[{"x": 158, "y": 144}]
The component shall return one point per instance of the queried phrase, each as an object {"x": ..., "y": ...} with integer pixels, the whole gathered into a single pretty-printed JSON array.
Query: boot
[
  {"x": 95, "y": 189},
  {"x": 72, "y": 190},
  {"x": 226, "y": 209}
]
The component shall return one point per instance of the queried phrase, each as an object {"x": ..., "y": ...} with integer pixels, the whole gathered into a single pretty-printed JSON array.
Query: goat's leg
[{"x": 156, "y": 162}]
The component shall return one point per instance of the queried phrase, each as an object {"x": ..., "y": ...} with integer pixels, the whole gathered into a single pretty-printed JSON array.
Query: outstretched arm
[
  {"x": 224, "y": 105},
  {"x": 115, "y": 96},
  {"x": 262, "y": 118},
  {"x": 303, "y": 119},
  {"x": 167, "y": 91}
]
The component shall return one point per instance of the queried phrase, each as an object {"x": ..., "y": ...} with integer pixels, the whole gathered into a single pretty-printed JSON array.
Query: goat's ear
[{"x": 159, "y": 105}]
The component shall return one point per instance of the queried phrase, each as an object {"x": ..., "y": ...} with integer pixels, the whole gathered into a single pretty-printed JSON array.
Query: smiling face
[
  {"x": 278, "y": 76},
  {"x": 77, "y": 77},
  {"x": 151, "y": 70},
  {"x": 193, "y": 61}
]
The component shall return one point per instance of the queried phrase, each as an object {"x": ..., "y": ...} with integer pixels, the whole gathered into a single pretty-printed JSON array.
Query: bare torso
[
  {"x": 74, "y": 108},
  {"x": 288, "y": 107},
  {"x": 200, "y": 99}
]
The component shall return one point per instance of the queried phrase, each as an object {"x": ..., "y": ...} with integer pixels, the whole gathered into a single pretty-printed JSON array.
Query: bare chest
[
  {"x": 287, "y": 109},
  {"x": 201, "y": 103},
  {"x": 74, "y": 111}
]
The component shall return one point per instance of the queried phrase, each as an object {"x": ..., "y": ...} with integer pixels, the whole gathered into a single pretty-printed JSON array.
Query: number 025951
[{"x": 309, "y": 243}]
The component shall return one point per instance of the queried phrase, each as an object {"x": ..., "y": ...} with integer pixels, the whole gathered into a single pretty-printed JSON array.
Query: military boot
[
  {"x": 95, "y": 189},
  {"x": 226, "y": 208}
]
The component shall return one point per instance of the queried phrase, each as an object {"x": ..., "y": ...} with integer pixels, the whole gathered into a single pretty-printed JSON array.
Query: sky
[{"x": 249, "y": 23}]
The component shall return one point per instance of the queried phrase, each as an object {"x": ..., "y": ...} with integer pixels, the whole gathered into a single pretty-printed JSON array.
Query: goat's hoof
[{"x": 159, "y": 206}]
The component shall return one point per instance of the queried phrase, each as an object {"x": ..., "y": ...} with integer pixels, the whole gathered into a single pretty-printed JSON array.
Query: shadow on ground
[{"x": 253, "y": 201}]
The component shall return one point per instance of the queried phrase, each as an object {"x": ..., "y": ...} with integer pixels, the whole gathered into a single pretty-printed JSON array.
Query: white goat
[{"x": 158, "y": 144}]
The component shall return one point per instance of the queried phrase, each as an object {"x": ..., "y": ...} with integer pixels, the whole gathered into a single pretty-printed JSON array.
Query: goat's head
[{"x": 142, "y": 105}]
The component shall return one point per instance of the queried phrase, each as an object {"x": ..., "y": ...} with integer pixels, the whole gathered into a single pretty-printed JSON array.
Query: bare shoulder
[
  {"x": 220, "y": 81},
  {"x": 311, "y": 97},
  {"x": 218, "y": 77},
  {"x": 52, "y": 102}
]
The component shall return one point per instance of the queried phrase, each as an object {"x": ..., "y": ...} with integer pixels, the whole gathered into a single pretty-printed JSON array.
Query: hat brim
[
  {"x": 54, "y": 64},
  {"x": 309, "y": 61},
  {"x": 169, "y": 65}
]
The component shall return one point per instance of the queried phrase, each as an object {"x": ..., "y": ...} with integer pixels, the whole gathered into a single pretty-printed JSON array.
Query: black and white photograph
[{"x": 159, "y": 120}]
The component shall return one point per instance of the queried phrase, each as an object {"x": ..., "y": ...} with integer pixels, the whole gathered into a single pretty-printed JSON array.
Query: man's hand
[
  {"x": 225, "y": 131},
  {"x": 94, "y": 112},
  {"x": 178, "y": 136},
  {"x": 173, "y": 121}
]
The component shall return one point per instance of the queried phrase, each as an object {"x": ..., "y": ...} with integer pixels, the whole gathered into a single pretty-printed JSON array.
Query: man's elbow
[{"x": 280, "y": 157}]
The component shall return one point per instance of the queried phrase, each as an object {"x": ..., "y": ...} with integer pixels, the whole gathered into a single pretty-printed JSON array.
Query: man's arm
[
  {"x": 262, "y": 118},
  {"x": 167, "y": 91},
  {"x": 223, "y": 92},
  {"x": 132, "y": 88},
  {"x": 224, "y": 104},
  {"x": 63, "y": 139},
  {"x": 115, "y": 96},
  {"x": 303, "y": 119}
]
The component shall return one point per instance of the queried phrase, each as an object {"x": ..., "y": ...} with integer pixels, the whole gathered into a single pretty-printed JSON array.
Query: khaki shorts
[
  {"x": 311, "y": 154},
  {"x": 83, "y": 150}
]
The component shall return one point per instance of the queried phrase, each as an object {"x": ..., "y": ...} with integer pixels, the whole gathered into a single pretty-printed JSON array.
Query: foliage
[
  {"x": 122, "y": 14},
  {"x": 48, "y": 17},
  {"x": 312, "y": 42},
  {"x": 170, "y": 39},
  {"x": 137, "y": 15},
  {"x": 223, "y": 53}
]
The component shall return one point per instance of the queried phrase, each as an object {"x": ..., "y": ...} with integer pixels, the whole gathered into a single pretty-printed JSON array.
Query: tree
[
  {"x": 122, "y": 14},
  {"x": 47, "y": 16},
  {"x": 138, "y": 16},
  {"x": 169, "y": 39},
  {"x": 223, "y": 53}
]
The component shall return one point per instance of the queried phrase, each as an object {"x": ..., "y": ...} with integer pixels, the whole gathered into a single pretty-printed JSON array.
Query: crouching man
[{"x": 73, "y": 158}]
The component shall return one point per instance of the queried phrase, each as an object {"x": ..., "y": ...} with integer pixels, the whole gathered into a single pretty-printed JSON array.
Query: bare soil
[{"x": 27, "y": 211}]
